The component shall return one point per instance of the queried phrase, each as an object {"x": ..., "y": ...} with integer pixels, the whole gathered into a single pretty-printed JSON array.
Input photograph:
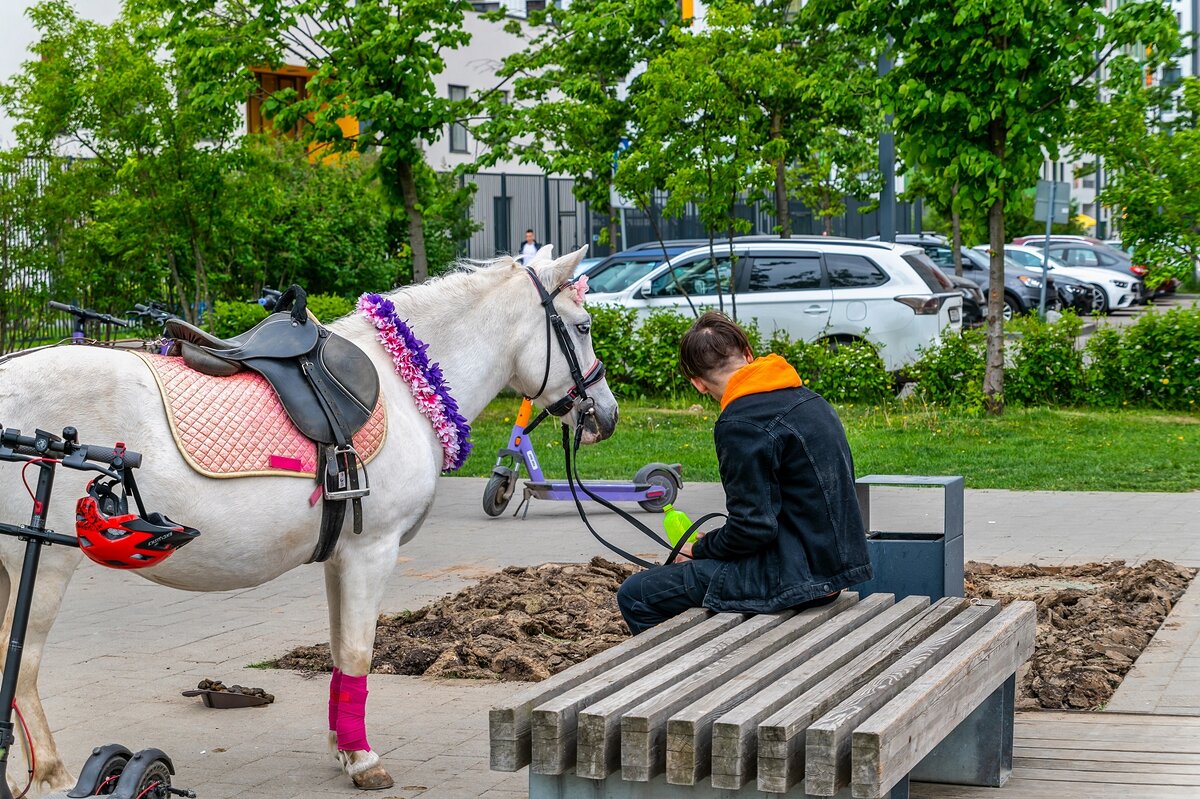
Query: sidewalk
[{"x": 123, "y": 649}]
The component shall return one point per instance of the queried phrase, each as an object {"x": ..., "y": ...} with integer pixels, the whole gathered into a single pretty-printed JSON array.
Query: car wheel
[
  {"x": 1099, "y": 300},
  {"x": 1012, "y": 307}
]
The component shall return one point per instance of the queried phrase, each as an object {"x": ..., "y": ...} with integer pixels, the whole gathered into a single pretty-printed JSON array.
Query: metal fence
[
  {"x": 23, "y": 319},
  {"x": 505, "y": 205}
]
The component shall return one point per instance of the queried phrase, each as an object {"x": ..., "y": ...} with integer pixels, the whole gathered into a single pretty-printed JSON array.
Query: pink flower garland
[{"x": 424, "y": 379}]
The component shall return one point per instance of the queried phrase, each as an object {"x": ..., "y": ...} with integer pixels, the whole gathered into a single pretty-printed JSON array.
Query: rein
[{"x": 577, "y": 395}]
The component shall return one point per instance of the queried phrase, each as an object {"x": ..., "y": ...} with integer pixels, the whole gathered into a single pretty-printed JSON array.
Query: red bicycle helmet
[{"x": 112, "y": 536}]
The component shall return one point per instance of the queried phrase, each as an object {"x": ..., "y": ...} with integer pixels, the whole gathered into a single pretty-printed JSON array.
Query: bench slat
[
  {"x": 894, "y": 740},
  {"x": 509, "y": 724},
  {"x": 689, "y": 731},
  {"x": 734, "y": 738},
  {"x": 644, "y": 727},
  {"x": 554, "y": 720},
  {"x": 827, "y": 741},
  {"x": 781, "y": 735},
  {"x": 598, "y": 751}
]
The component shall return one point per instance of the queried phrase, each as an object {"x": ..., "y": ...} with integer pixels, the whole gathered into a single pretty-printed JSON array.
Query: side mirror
[{"x": 643, "y": 291}]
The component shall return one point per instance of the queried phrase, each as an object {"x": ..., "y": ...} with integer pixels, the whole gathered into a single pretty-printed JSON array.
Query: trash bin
[{"x": 914, "y": 563}]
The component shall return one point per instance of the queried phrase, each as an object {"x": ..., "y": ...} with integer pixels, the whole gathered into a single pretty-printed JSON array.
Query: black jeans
[{"x": 662, "y": 592}]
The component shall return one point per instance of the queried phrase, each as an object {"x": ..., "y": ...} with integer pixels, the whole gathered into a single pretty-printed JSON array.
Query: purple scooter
[{"x": 655, "y": 486}]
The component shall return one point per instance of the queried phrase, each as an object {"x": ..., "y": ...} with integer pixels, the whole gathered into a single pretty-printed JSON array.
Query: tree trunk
[
  {"x": 416, "y": 222},
  {"x": 956, "y": 228},
  {"x": 826, "y": 217},
  {"x": 614, "y": 228},
  {"x": 783, "y": 216},
  {"x": 993, "y": 376}
]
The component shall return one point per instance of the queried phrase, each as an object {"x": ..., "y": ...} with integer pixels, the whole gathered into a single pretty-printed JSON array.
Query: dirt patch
[
  {"x": 1093, "y": 622},
  {"x": 526, "y": 623}
]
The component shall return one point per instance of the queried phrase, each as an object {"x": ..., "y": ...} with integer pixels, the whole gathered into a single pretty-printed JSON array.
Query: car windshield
[
  {"x": 618, "y": 274},
  {"x": 1031, "y": 260}
]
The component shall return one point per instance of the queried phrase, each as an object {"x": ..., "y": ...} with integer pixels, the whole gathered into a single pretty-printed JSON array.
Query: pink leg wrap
[
  {"x": 335, "y": 690},
  {"x": 351, "y": 712}
]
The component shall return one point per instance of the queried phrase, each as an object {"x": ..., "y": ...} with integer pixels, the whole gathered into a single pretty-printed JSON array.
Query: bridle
[{"x": 577, "y": 396}]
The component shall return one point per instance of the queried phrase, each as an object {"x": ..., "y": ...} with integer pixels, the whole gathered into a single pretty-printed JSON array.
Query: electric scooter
[
  {"x": 112, "y": 770},
  {"x": 655, "y": 485}
]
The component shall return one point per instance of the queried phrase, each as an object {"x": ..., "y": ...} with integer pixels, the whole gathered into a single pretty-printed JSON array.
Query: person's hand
[{"x": 685, "y": 552}]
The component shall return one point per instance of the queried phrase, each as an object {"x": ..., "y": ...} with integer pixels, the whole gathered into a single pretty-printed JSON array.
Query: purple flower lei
[{"x": 424, "y": 379}]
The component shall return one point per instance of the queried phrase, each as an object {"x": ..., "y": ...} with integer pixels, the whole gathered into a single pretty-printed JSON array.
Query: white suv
[{"x": 814, "y": 289}]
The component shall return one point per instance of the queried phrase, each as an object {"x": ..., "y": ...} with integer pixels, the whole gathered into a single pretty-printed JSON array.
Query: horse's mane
[{"x": 459, "y": 286}]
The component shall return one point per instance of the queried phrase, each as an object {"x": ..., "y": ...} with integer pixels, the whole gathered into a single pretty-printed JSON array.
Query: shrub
[
  {"x": 232, "y": 318},
  {"x": 1046, "y": 367},
  {"x": 951, "y": 372},
  {"x": 1103, "y": 375},
  {"x": 1157, "y": 362},
  {"x": 652, "y": 355}
]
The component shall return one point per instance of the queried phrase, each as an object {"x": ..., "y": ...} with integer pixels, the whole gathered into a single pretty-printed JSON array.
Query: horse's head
[{"x": 558, "y": 367}]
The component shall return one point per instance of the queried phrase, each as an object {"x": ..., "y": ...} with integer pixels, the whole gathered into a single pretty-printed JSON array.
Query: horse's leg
[
  {"x": 50, "y": 773},
  {"x": 355, "y": 583}
]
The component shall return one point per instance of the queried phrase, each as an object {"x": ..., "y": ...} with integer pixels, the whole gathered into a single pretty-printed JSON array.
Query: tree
[
  {"x": 981, "y": 93},
  {"x": 1149, "y": 138},
  {"x": 562, "y": 103},
  {"x": 147, "y": 194},
  {"x": 808, "y": 86},
  {"x": 373, "y": 64}
]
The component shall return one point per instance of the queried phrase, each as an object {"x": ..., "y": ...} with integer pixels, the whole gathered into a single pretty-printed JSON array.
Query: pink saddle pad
[{"x": 236, "y": 427}]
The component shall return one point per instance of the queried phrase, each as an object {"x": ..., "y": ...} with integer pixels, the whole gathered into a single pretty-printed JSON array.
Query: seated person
[{"x": 795, "y": 536}]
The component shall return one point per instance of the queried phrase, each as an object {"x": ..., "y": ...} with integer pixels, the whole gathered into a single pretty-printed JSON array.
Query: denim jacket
[{"x": 795, "y": 531}]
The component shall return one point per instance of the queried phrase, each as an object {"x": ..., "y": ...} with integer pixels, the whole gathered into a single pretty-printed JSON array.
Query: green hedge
[
  {"x": 232, "y": 318},
  {"x": 1154, "y": 362},
  {"x": 643, "y": 360}
]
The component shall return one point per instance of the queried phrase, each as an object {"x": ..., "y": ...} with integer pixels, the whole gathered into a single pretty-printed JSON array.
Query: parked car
[
  {"x": 973, "y": 301},
  {"x": 812, "y": 288},
  {"x": 1085, "y": 251},
  {"x": 1022, "y": 291},
  {"x": 1110, "y": 289},
  {"x": 587, "y": 263},
  {"x": 621, "y": 270}
]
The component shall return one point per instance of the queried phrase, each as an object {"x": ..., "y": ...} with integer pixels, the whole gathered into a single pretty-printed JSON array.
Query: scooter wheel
[
  {"x": 664, "y": 478},
  {"x": 146, "y": 776},
  {"x": 498, "y": 492}
]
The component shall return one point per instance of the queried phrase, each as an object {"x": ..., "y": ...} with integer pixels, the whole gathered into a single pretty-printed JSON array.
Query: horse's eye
[{"x": 584, "y": 328}]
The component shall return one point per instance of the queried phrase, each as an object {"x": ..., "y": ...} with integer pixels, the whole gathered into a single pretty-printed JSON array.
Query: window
[
  {"x": 695, "y": 277},
  {"x": 620, "y": 274},
  {"x": 1079, "y": 256},
  {"x": 458, "y": 131},
  {"x": 941, "y": 256},
  {"x": 269, "y": 83},
  {"x": 786, "y": 273},
  {"x": 928, "y": 273},
  {"x": 853, "y": 272}
]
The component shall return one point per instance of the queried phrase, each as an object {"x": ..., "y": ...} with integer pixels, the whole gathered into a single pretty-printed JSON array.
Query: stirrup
[{"x": 341, "y": 481}]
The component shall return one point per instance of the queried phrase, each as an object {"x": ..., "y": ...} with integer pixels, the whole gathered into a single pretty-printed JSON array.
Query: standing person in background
[
  {"x": 795, "y": 536},
  {"x": 529, "y": 248}
]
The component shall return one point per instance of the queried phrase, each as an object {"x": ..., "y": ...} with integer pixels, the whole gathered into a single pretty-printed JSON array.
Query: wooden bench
[{"x": 844, "y": 700}]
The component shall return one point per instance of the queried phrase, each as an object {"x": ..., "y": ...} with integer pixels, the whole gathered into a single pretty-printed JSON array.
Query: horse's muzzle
[{"x": 598, "y": 423}]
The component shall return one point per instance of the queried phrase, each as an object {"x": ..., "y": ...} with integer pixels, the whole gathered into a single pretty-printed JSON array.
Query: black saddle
[{"x": 326, "y": 384}]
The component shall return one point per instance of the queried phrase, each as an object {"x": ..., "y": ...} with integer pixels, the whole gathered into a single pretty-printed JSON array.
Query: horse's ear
[
  {"x": 563, "y": 269},
  {"x": 542, "y": 257}
]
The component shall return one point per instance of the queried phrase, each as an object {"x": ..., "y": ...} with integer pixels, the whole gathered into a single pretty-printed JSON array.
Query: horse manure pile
[
  {"x": 526, "y": 623},
  {"x": 1093, "y": 622},
  {"x": 523, "y": 623}
]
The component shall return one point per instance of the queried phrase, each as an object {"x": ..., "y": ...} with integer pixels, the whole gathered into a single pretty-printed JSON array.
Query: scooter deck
[{"x": 611, "y": 491}]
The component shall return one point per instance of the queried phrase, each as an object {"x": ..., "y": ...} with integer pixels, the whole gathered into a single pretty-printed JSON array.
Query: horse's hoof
[{"x": 375, "y": 778}]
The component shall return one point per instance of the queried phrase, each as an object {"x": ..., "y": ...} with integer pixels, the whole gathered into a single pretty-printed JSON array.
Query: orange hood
[{"x": 768, "y": 373}]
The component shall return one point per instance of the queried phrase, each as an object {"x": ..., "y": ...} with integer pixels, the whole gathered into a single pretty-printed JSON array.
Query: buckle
[{"x": 342, "y": 465}]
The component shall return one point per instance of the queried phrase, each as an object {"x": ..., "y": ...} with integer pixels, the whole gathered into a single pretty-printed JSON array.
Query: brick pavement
[{"x": 123, "y": 649}]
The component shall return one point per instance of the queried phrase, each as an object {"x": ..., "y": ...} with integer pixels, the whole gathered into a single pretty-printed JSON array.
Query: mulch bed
[{"x": 526, "y": 623}]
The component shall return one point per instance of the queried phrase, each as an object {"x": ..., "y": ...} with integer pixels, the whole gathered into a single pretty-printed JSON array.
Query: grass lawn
[{"x": 1025, "y": 449}]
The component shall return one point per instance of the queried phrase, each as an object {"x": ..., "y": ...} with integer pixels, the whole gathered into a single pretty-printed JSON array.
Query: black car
[
  {"x": 973, "y": 302},
  {"x": 1022, "y": 288}
]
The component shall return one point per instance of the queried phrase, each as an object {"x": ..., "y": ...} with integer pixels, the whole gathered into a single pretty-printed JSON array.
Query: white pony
[{"x": 486, "y": 327}]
